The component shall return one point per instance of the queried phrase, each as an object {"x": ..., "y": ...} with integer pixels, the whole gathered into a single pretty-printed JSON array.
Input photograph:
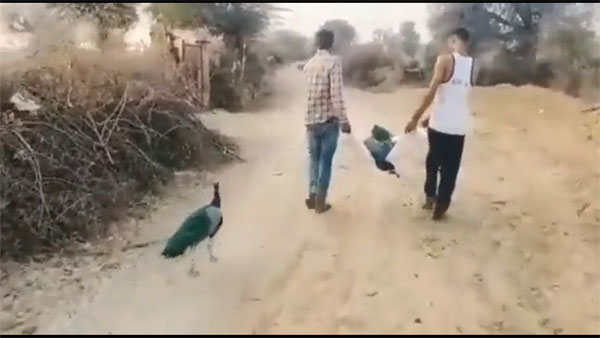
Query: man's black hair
[
  {"x": 324, "y": 39},
  {"x": 461, "y": 33}
]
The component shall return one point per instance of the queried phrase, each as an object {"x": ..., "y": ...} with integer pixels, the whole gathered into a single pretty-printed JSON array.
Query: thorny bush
[{"x": 96, "y": 146}]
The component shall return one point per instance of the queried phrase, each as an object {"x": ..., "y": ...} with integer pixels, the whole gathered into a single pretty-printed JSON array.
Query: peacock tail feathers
[
  {"x": 204, "y": 222},
  {"x": 194, "y": 229}
]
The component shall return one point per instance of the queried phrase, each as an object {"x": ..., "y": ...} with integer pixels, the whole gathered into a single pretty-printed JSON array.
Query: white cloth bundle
[{"x": 408, "y": 154}]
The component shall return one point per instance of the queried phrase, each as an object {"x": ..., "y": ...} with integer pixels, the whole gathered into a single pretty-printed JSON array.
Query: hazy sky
[{"x": 306, "y": 18}]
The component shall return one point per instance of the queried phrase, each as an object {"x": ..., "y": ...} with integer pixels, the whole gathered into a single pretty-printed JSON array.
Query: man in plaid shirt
[{"x": 325, "y": 115}]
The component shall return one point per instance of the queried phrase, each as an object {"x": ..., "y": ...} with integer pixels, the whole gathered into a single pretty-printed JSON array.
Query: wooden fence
[{"x": 196, "y": 69}]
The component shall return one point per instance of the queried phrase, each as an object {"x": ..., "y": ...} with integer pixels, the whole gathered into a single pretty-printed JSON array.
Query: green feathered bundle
[
  {"x": 379, "y": 146},
  {"x": 381, "y": 134}
]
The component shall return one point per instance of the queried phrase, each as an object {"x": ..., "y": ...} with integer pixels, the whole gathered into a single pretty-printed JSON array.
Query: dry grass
[{"x": 110, "y": 128}]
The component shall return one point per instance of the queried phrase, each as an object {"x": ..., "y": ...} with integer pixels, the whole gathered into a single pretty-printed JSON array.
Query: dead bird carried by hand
[
  {"x": 203, "y": 223},
  {"x": 379, "y": 145}
]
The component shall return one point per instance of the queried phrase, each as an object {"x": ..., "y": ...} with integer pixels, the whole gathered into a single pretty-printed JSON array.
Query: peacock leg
[{"x": 210, "y": 251}]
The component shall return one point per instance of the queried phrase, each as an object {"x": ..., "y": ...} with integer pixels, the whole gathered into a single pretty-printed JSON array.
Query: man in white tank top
[{"x": 448, "y": 123}]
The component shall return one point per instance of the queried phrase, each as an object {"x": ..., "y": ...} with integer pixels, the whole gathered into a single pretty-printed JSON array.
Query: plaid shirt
[{"x": 324, "y": 76}]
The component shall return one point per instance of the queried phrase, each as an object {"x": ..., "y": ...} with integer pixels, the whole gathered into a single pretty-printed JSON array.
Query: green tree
[
  {"x": 381, "y": 35},
  {"x": 516, "y": 25},
  {"x": 287, "y": 45},
  {"x": 570, "y": 45},
  {"x": 240, "y": 25},
  {"x": 409, "y": 38},
  {"x": 181, "y": 15},
  {"x": 344, "y": 34},
  {"x": 107, "y": 16},
  {"x": 512, "y": 28}
]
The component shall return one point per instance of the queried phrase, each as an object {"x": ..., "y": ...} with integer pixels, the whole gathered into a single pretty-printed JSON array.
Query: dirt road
[{"x": 520, "y": 252}]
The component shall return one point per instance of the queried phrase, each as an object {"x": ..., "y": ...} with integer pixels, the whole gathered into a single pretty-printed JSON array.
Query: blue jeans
[{"x": 322, "y": 143}]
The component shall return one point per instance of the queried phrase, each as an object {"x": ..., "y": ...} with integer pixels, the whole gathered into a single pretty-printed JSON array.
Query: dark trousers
[{"x": 444, "y": 156}]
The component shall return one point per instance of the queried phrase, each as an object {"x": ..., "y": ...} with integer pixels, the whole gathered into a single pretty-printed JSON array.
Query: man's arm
[
  {"x": 336, "y": 88},
  {"x": 437, "y": 79}
]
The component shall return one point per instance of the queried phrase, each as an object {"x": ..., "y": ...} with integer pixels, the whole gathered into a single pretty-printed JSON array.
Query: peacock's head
[{"x": 216, "y": 201}]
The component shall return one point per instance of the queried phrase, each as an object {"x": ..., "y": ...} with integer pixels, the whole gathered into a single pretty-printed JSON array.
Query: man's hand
[
  {"x": 346, "y": 129},
  {"x": 411, "y": 125}
]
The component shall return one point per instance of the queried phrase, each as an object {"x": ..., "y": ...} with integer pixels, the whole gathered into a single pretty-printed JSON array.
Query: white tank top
[{"x": 450, "y": 114}]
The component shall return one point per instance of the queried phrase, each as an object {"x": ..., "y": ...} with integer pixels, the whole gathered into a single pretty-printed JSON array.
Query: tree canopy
[
  {"x": 288, "y": 45},
  {"x": 409, "y": 38},
  {"x": 236, "y": 21},
  {"x": 515, "y": 30},
  {"x": 344, "y": 34},
  {"x": 106, "y": 15}
]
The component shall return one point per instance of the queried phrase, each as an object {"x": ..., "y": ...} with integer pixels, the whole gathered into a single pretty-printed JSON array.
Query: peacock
[
  {"x": 204, "y": 222},
  {"x": 379, "y": 145},
  {"x": 381, "y": 134}
]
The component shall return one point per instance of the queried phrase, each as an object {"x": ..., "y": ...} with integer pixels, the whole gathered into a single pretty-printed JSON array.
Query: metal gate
[{"x": 196, "y": 69}]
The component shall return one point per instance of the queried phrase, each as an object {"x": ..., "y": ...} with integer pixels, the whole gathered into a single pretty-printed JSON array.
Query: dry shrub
[
  {"x": 387, "y": 79},
  {"x": 582, "y": 83},
  {"x": 590, "y": 88},
  {"x": 240, "y": 85},
  {"x": 110, "y": 129},
  {"x": 361, "y": 64}
]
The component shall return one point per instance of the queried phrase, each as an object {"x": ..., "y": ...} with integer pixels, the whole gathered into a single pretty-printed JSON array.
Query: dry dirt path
[{"x": 517, "y": 254}]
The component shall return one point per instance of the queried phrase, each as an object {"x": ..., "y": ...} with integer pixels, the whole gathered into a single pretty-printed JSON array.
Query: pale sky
[{"x": 306, "y": 18}]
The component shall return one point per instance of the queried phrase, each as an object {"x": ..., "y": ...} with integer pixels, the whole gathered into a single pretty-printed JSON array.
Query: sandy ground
[{"x": 519, "y": 253}]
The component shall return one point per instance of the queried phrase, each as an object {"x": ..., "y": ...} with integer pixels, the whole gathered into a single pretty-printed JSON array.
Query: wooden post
[
  {"x": 204, "y": 81},
  {"x": 197, "y": 68}
]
